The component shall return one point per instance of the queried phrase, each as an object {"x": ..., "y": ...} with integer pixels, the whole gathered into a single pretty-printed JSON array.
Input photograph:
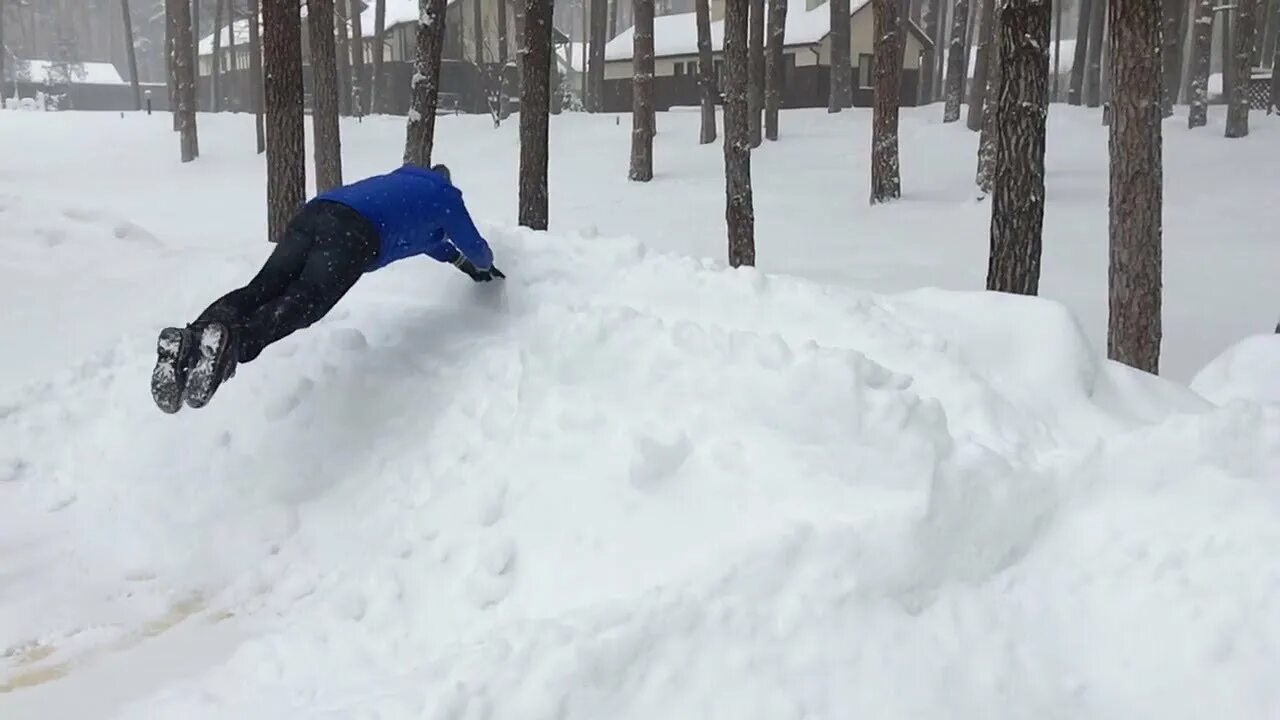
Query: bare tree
[
  {"x": 1198, "y": 116},
  {"x": 377, "y": 101},
  {"x": 706, "y": 72},
  {"x": 358, "y": 92},
  {"x": 755, "y": 71},
  {"x": 1093, "y": 63},
  {"x": 327, "y": 139},
  {"x": 1075, "y": 92},
  {"x": 1134, "y": 327},
  {"x": 1021, "y": 101},
  {"x": 1238, "y": 107},
  {"x": 642, "y": 93},
  {"x": 425, "y": 98},
  {"x": 840, "y": 91},
  {"x": 285, "y": 125},
  {"x": 774, "y": 69},
  {"x": 739, "y": 213},
  {"x": 595, "y": 64},
  {"x": 1171, "y": 53},
  {"x": 185, "y": 80},
  {"x": 130, "y": 51},
  {"x": 995, "y": 68},
  {"x": 978, "y": 91},
  {"x": 255, "y": 70},
  {"x": 215, "y": 62},
  {"x": 886, "y": 183},
  {"x": 956, "y": 70},
  {"x": 535, "y": 111}
]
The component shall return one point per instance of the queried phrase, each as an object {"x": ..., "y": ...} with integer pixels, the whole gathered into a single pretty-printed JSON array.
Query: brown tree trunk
[
  {"x": 1238, "y": 107},
  {"x": 215, "y": 62},
  {"x": 595, "y": 64},
  {"x": 425, "y": 92},
  {"x": 1174, "y": 11},
  {"x": 186, "y": 80},
  {"x": 642, "y": 93},
  {"x": 885, "y": 181},
  {"x": 1075, "y": 93},
  {"x": 130, "y": 51},
  {"x": 1021, "y": 101},
  {"x": 170, "y": 57},
  {"x": 956, "y": 70},
  {"x": 840, "y": 91},
  {"x": 1198, "y": 116},
  {"x": 255, "y": 72},
  {"x": 343, "y": 53},
  {"x": 978, "y": 91},
  {"x": 326, "y": 137},
  {"x": 1134, "y": 327},
  {"x": 774, "y": 72},
  {"x": 755, "y": 73},
  {"x": 535, "y": 112},
  {"x": 377, "y": 100},
  {"x": 285, "y": 126},
  {"x": 706, "y": 72},
  {"x": 738, "y": 213},
  {"x": 503, "y": 40},
  {"x": 931, "y": 15},
  {"x": 359, "y": 90},
  {"x": 995, "y": 69},
  {"x": 1093, "y": 64}
]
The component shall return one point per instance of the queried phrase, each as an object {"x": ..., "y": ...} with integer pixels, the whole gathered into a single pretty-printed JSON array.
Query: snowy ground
[{"x": 629, "y": 482}]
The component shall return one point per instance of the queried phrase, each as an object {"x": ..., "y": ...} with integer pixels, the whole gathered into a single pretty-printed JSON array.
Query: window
[
  {"x": 866, "y": 70},
  {"x": 679, "y": 69}
]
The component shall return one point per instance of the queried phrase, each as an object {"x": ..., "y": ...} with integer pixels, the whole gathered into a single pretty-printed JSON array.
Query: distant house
[
  {"x": 471, "y": 59},
  {"x": 806, "y": 57},
  {"x": 77, "y": 85}
]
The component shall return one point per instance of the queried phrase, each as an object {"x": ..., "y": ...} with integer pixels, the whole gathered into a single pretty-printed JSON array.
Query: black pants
[{"x": 320, "y": 256}]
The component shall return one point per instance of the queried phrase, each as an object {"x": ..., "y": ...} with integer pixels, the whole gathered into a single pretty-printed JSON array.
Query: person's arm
[{"x": 457, "y": 224}]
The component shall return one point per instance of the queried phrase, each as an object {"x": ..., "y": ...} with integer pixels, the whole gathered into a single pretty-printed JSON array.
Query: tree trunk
[
  {"x": 15, "y": 82},
  {"x": 841, "y": 69},
  {"x": 613, "y": 18},
  {"x": 929, "y": 18},
  {"x": 326, "y": 136},
  {"x": 939, "y": 38},
  {"x": 186, "y": 80},
  {"x": 978, "y": 92},
  {"x": 586, "y": 42},
  {"x": 1225, "y": 49},
  {"x": 234, "y": 65},
  {"x": 1273, "y": 104},
  {"x": 1054, "y": 95},
  {"x": 1021, "y": 109},
  {"x": 359, "y": 90},
  {"x": 1269, "y": 42},
  {"x": 885, "y": 182},
  {"x": 1238, "y": 108},
  {"x": 642, "y": 93},
  {"x": 130, "y": 51},
  {"x": 1133, "y": 328},
  {"x": 255, "y": 71},
  {"x": 535, "y": 112},
  {"x": 595, "y": 69},
  {"x": 170, "y": 57},
  {"x": 343, "y": 53},
  {"x": 738, "y": 214},
  {"x": 774, "y": 72},
  {"x": 995, "y": 68},
  {"x": 1174, "y": 11},
  {"x": 1198, "y": 116},
  {"x": 425, "y": 91},
  {"x": 377, "y": 99},
  {"x": 1093, "y": 65},
  {"x": 215, "y": 62},
  {"x": 755, "y": 73},
  {"x": 1075, "y": 92},
  {"x": 503, "y": 40},
  {"x": 285, "y": 126},
  {"x": 956, "y": 70},
  {"x": 706, "y": 72},
  {"x": 195, "y": 34}
]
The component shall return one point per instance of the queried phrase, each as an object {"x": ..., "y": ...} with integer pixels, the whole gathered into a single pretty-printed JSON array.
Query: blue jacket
[{"x": 416, "y": 212}]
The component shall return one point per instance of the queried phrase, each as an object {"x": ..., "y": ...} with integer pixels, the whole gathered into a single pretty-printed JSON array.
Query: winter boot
[
  {"x": 174, "y": 358},
  {"x": 216, "y": 358}
]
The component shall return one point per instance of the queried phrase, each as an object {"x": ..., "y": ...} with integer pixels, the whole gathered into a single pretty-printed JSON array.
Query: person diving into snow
[{"x": 331, "y": 242}]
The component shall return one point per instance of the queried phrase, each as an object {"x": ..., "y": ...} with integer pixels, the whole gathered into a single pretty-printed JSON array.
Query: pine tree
[
  {"x": 1238, "y": 101},
  {"x": 642, "y": 93},
  {"x": 774, "y": 70},
  {"x": 215, "y": 70},
  {"x": 358, "y": 89},
  {"x": 1021, "y": 101},
  {"x": 377, "y": 99},
  {"x": 1075, "y": 93},
  {"x": 886, "y": 183},
  {"x": 956, "y": 70},
  {"x": 184, "y": 80},
  {"x": 255, "y": 70},
  {"x": 978, "y": 91},
  {"x": 1174, "y": 12},
  {"x": 1200, "y": 57},
  {"x": 130, "y": 51},
  {"x": 327, "y": 138},
  {"x": 595, "y": 64},
  {"x": 535, "y": 111},
  {"x": 840, "y": 93},
  {"x": 932, "y": 15},
  {"x": 739, "y": 214},
  {"x": 755, "y": 72},
  {"x": 1093, "y": 63},
  {"x": 706, "y": 72},
  {"x": 285, "y": 124},
  {"x": 995, "y": 68},
  {"x": 1134, "y": 326},
  {"x": 420, "y": 136},
  {"x": 343, "y": 54}
]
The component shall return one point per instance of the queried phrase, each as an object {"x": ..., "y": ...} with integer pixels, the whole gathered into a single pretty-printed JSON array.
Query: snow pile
[{"x": 1248, "y": 370}]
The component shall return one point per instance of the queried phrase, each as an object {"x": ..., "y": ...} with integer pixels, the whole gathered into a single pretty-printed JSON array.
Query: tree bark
[
  {"x": 195, "y": 35},
  {"x": 930, "y": 12},
  {"x": 255, "y": 70},
  {"x": 185, "y": 80},
  {"x": 170, "y": 57},
  {"x": 326, "y": 137},
  {"x": 978, "y": 92},
  {"x": 706, "y": 73},
  {"x": 1134, "y": 327},
  {"x": 1273, "y": 104},
  {"x": 1225, "y": 49},
  {"x": 774, "y": 72},
  {"x": 595, "y": 65},
  {"x": 130, "y": 51},
  {"x": 613, "y": 18},
  {"x": 642, "y": 93},
  {"x": 1075, "y": 92},
  {"x": 1057, "y": 51},
  {"x": 234, "y": 65},
  {"x": 215, "y": 62},
  {"x": 1198, "y": 116},
  {"x": 886, "y": 183},
  {"x": 1269, "y": 42},
  {"x": 285, "y": 126},
  {"x": 995, "y": 68},
  {"x": 535, "y": 112},
  {"x": 939, "y": 42},
  {"x": 15, "y": 83},
  {"x": 1238, "y": 108},
  {"x": 840, "y": 92},
  {"x": 739, "y": 213},
  {"x": 343, "y": 53},
  {"x": 359, "y": 91},
  {"x": 1021, "y": 108},
  {"x": 956, "y": 70},
  {"x": 1093, "y": 64},
  {"x": 1171, "y": 54},
  {"x": 425, "y": 93},
  {"x": 377, "y": 99},
  {"x": 755, "y": 73}
]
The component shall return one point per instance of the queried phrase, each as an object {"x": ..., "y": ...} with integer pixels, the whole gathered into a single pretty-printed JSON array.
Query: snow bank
[{"x": 1248, "y": 370}]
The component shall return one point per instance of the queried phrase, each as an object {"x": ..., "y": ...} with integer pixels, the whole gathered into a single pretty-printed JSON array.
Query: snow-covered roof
[
  {"x": 398, "y": 11},
  {"x": 94, "y": 73}
]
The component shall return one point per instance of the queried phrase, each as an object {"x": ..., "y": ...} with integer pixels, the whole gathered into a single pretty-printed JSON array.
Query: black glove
[{"x": 475, "y": 273}]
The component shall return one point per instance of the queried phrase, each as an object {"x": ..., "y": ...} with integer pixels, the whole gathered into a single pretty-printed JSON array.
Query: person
[{"x": 334, "y": 239}]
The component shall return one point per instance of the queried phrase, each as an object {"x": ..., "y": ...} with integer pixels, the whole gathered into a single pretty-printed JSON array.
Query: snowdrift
[{"x": 631, "y": 485}]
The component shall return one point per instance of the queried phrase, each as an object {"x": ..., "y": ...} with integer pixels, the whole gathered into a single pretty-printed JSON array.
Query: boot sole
[
  {"x": 169, "y": 377},
  {"x": 203, "y": 380}
]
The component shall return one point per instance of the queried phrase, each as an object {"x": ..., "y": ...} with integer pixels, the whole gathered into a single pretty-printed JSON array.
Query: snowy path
[{"x": 624, "y": 483}]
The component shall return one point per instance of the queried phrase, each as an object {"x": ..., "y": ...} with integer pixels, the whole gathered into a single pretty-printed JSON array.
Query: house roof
[
  {"x": 678, "y": 34},
  {"x": 95, "y": 73}
]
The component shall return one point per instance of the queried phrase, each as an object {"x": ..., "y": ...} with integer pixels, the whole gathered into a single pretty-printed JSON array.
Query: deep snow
[{"x": 629, "y": 482}]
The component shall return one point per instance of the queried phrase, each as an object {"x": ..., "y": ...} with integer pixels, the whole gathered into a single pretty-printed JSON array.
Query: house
[
  {"x": 806, "y": 53},
  {"x": 74, "y": 85},
  {"x": 473, "y": 56}
]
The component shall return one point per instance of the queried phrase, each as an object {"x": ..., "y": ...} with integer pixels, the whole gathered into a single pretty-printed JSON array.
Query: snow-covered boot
[
  {"x": 173, "y": 361},
  {"x": 218, "y": 353}
]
